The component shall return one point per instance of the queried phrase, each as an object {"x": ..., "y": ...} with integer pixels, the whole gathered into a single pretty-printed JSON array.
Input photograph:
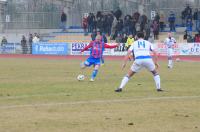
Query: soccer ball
[{"x": 80, "y": 77}]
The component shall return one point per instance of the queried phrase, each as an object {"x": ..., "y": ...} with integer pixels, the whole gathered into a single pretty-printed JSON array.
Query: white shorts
[
  {"x": 140, "y": 63},
  {"x": 170, "y": 52}
]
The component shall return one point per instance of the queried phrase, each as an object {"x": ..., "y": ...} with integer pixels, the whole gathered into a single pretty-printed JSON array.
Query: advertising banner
[
  {"x": 77, "y": 47},
  {"x": 178, "y": 49},
  {"x": 49, "y": 48},
  {"x": 10, "y": 48}
]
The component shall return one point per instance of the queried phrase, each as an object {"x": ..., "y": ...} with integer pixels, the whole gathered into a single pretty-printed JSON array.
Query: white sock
[
  {"x": 170, "y": 63},
  {"x": 157, "y": 81},
  {"x": 124, "y": 82}
]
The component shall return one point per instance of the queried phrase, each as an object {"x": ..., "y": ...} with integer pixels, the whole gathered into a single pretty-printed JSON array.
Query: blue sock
[
  {"x": 94, "y": 74},
  {"x": 102, "y": 60}
]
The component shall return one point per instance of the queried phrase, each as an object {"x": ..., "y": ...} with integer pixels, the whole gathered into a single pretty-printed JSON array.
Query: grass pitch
[{"x": 43, "y": 95}]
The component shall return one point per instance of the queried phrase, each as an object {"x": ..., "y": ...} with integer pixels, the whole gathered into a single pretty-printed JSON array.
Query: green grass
[{"x": 41, "y": 95}]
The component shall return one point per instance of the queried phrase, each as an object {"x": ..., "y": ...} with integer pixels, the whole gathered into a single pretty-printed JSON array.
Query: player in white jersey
[
  {"x": 169, "y": 42},
  {"x": 141, "y": 50}
]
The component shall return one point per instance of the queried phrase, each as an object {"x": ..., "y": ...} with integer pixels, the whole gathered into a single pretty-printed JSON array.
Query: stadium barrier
[
  {"x": 45, "y": 48},
  {"x": 11, "y": 48},
  {"x": 179, "y": 49}
]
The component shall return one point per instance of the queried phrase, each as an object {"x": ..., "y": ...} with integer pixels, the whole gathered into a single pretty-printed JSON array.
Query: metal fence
[{"x": 45, "y": 14}]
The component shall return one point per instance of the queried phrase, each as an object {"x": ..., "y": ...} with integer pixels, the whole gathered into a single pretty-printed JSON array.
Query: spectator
[
  {"x": 124, "y": 40},
  {"x": 119, "y": 27},
  {"x": 85, "y": 25},
  {"x": 189, "y": 27},
  {"x": 143, "y": 22},
  {"x": 94, "y": 34},
  {"x": 4, "y": 41},
  {"x": 30, "y": 40},
  {"x": 197, "y": 38},
  {"x": 190, "y": 39},
  {"x": 36, "y": 38},
  {"x": 119, "y": 40},
  {"x": 188, "y": 12},
  {"x": 147, "y": 30},
  {"x": 157, "y": 18},
  {"x": 171, "y": 20},
  {"x": 63, "y": 21},
  {"x": 185, "y": 36},
  {"x": 129, "y": 41},
  {"x": 183, "y": 17},
  {"x": 127, "y": 23},
  {"x": 162, "y": 22},
  {"x": 136, "y": 16},
  {"x": 137, "y": 27},
  {"x": 99, "y": 17},
  {"x": 109, "y": 22},
  {"x": 104, "y": 38},
  {"x": 114, "y": 29},
  {"x": 24, "y": 45},
  {"x": 195, "y": 17},
  {"x": 90, "y": 20},
  {"x": 198, "y": 21},
  {"x": 155, "y": 27}
]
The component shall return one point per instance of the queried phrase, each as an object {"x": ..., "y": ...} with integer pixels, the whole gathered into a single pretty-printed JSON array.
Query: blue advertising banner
[
  {"x": 49, "y": 48},
  {"x": 9, "y": 48}
]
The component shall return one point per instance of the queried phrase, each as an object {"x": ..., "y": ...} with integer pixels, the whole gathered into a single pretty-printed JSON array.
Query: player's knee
[
  {"x": 86, "y": 63},
  {"x": 96, "y": 67},
  {"x": 155, "y": 73}
]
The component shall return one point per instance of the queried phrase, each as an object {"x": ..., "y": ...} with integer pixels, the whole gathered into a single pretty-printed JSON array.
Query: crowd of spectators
[
  {"x": 114, "y": 25},
  {"x": 26, "y": 45}
]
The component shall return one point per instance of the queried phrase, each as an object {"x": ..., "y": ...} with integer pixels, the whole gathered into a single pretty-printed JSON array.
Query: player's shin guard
[
  {"x": 157, "y": 81},
  {"x": 171, "y": 63},
  {"x": 94, "y": 74},
  {"x": 124, "y": 82}
]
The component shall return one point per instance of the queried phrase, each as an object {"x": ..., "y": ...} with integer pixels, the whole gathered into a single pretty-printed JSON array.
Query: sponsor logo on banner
[
  {"x": 49, "y": 48},
  {"x": 162, "y": 49},
  {"x": 9, "y": 48},
  {"x": 77, "y": 47},
  {"x": 195, "y": 49},
  {"x": 184, "y": 49}
]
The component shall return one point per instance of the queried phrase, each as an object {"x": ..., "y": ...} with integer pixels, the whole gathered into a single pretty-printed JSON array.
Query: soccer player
[
  {"x": 169, "y": 42},
  {"x": 141, "y": 50},
  {"x": 96, "y": 50}
]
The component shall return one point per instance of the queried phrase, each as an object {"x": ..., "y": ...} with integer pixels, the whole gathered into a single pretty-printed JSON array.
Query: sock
[
  {"x": 94, "y": 74},
  {"x": 157, "y": 81},
  {"x": 171, "y": 63},
  {"x": 102, "y": 60},
  {"x": 124, "y": 82}
]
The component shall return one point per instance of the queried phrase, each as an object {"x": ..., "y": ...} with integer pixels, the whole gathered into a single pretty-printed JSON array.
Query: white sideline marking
[
  {"x": 97, "y": 102},
  {"x": 34, "y": 95}
]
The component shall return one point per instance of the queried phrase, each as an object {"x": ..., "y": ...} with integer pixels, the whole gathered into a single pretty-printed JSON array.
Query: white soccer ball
[{"x": 80, "y": 77}]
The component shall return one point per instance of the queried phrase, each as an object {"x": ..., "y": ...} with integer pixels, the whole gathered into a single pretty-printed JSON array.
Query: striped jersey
[{"x": 97, "y": 48}]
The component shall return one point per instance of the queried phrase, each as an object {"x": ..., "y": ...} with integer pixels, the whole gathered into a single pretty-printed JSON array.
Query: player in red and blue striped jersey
[{"x": 96, "y": 51}]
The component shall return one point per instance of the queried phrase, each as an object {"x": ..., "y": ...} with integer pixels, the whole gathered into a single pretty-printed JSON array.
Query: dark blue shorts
[{"x": 92, "y": 61}]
